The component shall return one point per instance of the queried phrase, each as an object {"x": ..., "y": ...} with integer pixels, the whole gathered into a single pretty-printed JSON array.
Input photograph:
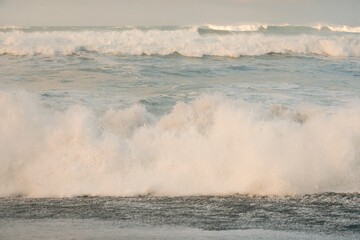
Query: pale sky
[{"x": 176, "y": 12}]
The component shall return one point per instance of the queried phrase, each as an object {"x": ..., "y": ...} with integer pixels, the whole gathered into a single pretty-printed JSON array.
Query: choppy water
[
  {"x": 322, "y": 216},
  {"x": 186, "y": 114}
]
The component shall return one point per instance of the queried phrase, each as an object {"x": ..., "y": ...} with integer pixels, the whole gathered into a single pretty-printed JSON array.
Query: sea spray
[{"x": 211, "y": 146}]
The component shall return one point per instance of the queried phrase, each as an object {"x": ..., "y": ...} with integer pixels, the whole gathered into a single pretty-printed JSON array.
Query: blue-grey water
[{"x": 249, "y": 131}]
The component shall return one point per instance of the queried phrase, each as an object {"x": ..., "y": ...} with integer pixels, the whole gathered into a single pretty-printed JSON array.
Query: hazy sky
[{"x": 177, "y": 12}]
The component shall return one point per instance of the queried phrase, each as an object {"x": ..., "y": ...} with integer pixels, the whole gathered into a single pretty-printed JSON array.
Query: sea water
[{"x": 242, "y": 131}]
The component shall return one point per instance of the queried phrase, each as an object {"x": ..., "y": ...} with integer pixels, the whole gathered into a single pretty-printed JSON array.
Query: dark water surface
[{"x": 326, "y": 215}]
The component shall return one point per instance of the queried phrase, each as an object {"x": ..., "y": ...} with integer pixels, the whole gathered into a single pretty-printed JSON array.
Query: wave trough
[{"x": 211, "y": 146}]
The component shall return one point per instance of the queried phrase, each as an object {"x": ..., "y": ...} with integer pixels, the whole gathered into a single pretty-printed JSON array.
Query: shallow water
[{"x": 321, "y": 216}]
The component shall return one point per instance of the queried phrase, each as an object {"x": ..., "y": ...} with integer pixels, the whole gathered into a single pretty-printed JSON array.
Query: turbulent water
[
  {"x": 196, "y": 117},
  {"x": 210, "y": 40}
]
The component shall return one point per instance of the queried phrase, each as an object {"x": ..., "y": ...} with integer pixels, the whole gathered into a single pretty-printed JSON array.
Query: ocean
[{"x": 180, "y": 132}]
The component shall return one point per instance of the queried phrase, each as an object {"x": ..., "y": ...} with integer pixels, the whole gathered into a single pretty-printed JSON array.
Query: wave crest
[
  {"x": 338, "y": 28},
  {"x": 238, "y": 28}
]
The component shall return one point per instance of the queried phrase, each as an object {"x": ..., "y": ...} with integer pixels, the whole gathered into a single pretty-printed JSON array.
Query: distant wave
[
  {"x": 249, "y": 27},
  {"x": 238, "y": 28},
  {"x": 187, "y": 42},
  {"x": 338, "y": 28},
  {"x": 211, "y": 146},
  {"x": 263, "y": 26},
  {"x": 11, "y": 27}
]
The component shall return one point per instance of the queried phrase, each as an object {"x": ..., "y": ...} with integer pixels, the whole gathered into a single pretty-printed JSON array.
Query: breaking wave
[
  {"x": 267, "y": 27},
  {"x": 210, "y": 146},
  {"x": 338, "y": 28},
  {"x": 187, "y": 42},
  {"x": 238, "y": 28}
]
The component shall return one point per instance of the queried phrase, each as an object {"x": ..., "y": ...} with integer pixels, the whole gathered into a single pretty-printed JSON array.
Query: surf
[{"x": 211, "y": 146}]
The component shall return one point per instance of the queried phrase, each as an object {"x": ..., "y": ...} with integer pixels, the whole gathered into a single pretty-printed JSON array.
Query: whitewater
[
  {"x": 207, "y": 131},
  {"x": 208, "y": 40},
  {"x": 210, "y": 146},
  {"x": 123, "y": 111}
]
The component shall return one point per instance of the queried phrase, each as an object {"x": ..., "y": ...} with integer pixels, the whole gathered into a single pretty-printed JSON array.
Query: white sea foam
[
  {"x": 262, "y": 26},
  {"x": 187, "y": 42},
  {"x": 254, "y": 27},
  {"x": 338, "y": 28},
  {"x": 238, "y": 28},
  {"x": 210, "y": 146}
]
